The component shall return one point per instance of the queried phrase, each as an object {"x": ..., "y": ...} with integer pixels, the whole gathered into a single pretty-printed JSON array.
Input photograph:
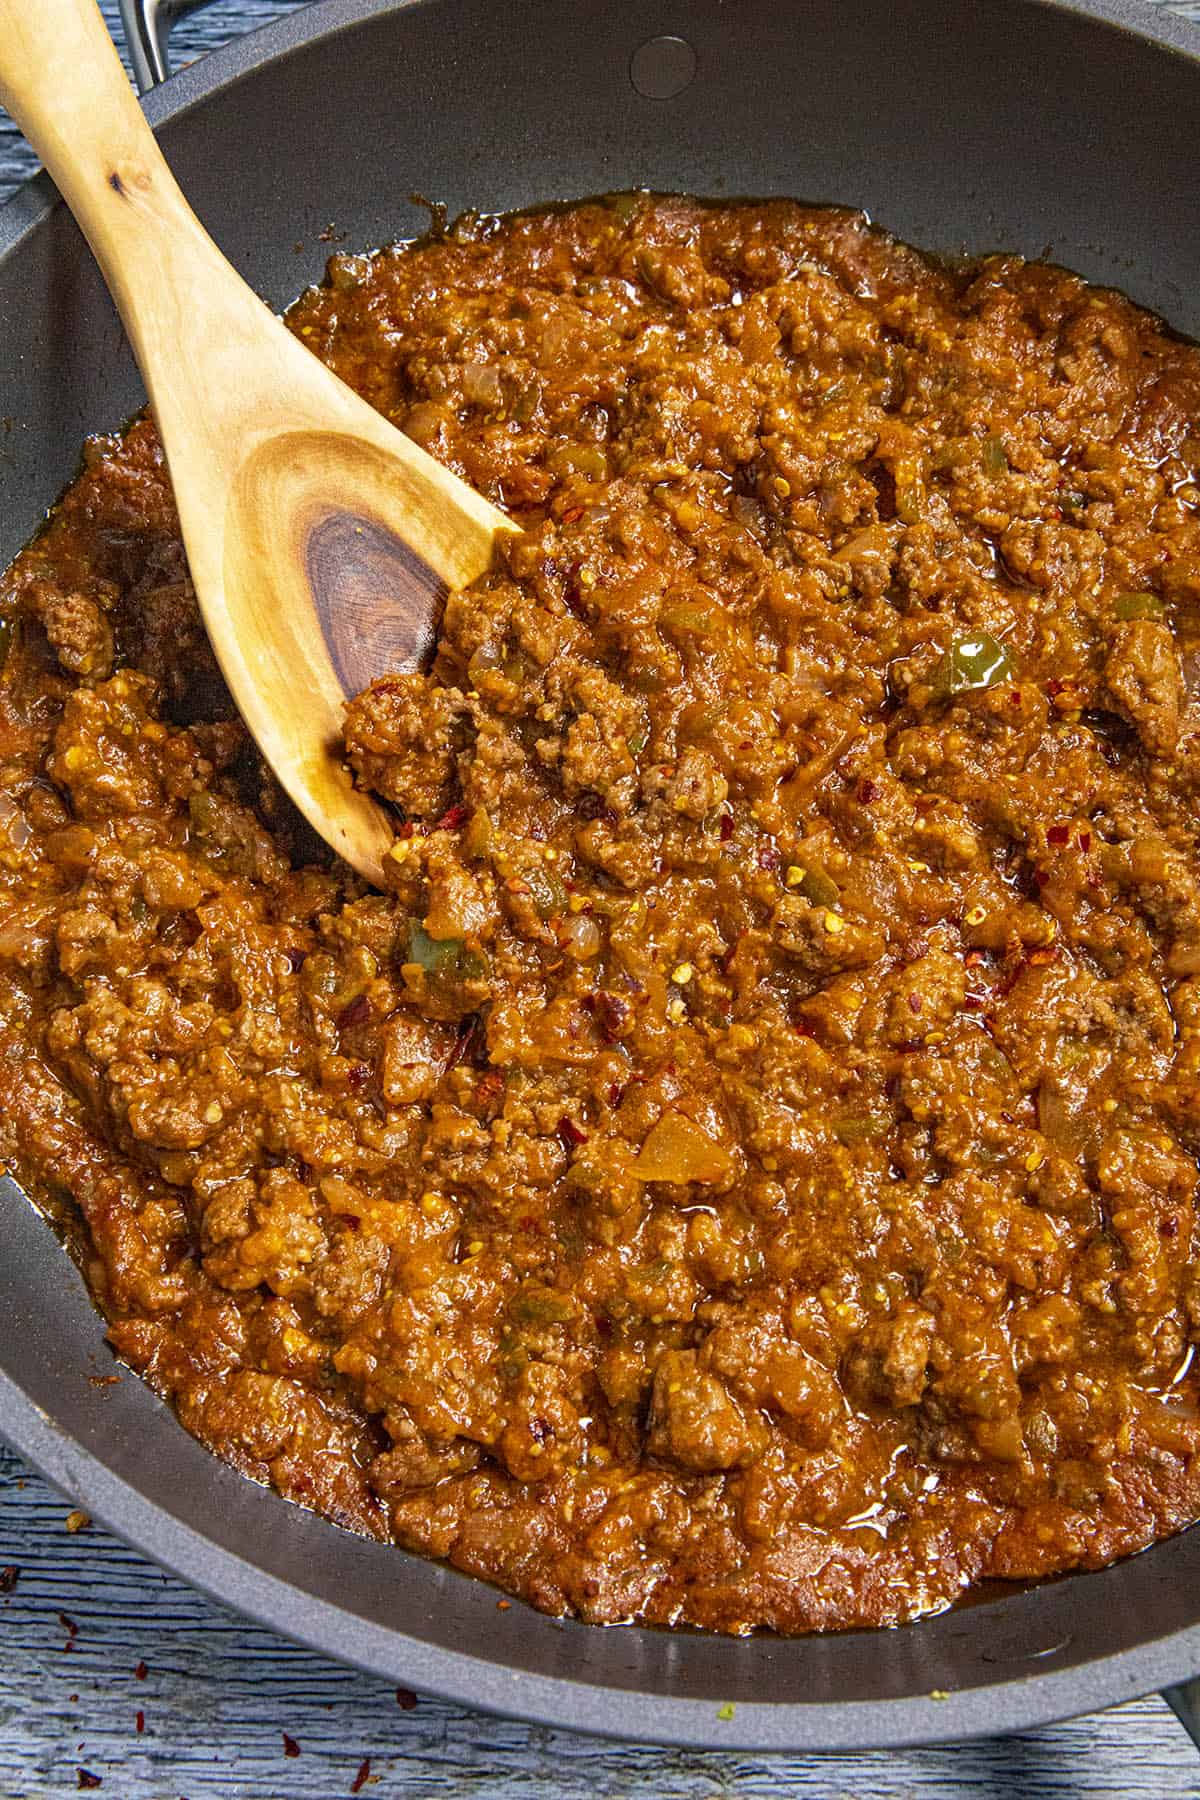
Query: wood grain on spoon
[{"x": 321, "y": 540}]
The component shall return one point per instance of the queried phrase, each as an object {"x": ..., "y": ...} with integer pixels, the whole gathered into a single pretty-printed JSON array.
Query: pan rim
[
  {"x": 321, "y": 20},
  {"x": 638, "y": 1715}
]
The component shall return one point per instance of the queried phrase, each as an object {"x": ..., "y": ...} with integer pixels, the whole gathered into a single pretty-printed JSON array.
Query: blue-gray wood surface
[{"x": 109, "y": 1666}]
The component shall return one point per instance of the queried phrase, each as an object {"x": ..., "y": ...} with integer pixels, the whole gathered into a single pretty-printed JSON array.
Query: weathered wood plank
[{"x": 218, "y": 1694}]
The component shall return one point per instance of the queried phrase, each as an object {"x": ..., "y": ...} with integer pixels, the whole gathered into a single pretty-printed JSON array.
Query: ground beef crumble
[{"x": 742, "y": 1171}]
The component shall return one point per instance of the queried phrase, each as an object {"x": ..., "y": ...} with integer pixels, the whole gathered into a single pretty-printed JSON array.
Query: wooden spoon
[{"x": 322, "y": 541}]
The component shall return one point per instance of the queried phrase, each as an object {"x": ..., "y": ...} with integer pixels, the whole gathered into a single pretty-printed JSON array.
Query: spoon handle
[
  {"x": 62, "y": 81},
  {"x": 219, "y": 369}
]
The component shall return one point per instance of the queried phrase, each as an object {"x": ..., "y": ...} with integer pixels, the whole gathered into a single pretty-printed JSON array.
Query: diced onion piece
[{"x": 678, "y": 1150}]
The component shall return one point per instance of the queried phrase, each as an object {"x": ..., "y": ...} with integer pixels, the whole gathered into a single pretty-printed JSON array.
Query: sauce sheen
[{"x": 742, "y": 1171}]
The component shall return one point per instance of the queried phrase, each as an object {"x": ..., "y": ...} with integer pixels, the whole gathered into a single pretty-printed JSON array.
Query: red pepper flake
[
  {"x": 141, "y": 1672},
  {"x": 769, "y": 856},
  {"x": 87, "y": 1778},
  {"x": 571, "y": 514},
  {"x": 469, "y": 1039},
  {"x": 1058, "y": 834},
  {"x": 10, "y": 1574},
  {"x": 1054, "y": 686},
  {"x": 725, "y": 827},
  {"x": 139, "y": 1723},
  {"x": 405, "y": 1699},
  {"x": 408, "y": 829},
  {"x": 612, "y": 1014},
  {"x": 570, "y": 1134},
  {"x": 616, "y": 1094},
  {"x": 914, "y": 1003},
  {"x": 290, "y": 1746},
  {"x": 1169, "y": 1227},
  {"x": 1014, "y": 699},
  {"x": 867, "y": 791},
  {"x": 361, "y": 1779},
  {"x": 452, "y": 818},
  {"x": 795, "y": 1017},
  {"x": 357, "y": 1012},
  {"x": 490, "y": 1087},
  {"x": 974, "y": 1002},
  {"x": 358, "y": 1075},
  {"x": 296, "y": 958},
  {"x": 68, "y": 1624},
  {"x": 1085, "y": 841}
]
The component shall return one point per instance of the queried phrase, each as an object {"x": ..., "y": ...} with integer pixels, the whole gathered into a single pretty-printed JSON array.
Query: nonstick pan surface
[{"x": 1066, "y": 131}]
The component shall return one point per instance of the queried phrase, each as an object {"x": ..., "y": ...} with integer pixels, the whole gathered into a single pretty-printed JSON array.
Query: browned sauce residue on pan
[{"x": 742, "y": 1171}]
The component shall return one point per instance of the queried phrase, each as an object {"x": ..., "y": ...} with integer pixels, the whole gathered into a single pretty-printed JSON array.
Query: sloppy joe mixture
[{"x": 742, "y": 1170}]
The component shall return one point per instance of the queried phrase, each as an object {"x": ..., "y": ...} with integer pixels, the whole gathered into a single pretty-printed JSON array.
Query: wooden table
[{"x": 109, "y": 1666}]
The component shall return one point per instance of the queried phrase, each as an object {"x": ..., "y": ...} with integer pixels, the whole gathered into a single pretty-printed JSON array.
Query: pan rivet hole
[{"x": 662, "y": 67}]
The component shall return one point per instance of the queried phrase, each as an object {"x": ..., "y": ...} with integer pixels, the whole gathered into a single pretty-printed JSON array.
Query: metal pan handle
[
  {"x": 148, "y": 26},
  {"x": 1184, "y": 1701}
]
